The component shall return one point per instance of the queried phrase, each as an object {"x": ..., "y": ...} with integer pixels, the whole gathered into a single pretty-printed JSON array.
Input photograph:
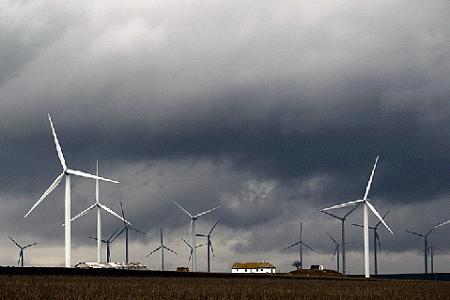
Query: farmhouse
[{"x": 253, "y": 267}]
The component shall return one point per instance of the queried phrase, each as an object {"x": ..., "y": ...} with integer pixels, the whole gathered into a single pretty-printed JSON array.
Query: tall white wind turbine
[
  {"x": 66, "y": 172},
  {"x": 192, "y": 232},
  {"x": 99, "y": 207},
  {"x": 367, "y": 205}
]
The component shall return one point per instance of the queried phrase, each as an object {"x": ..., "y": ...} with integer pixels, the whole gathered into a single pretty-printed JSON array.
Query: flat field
[{"x": 101, "y": 287}]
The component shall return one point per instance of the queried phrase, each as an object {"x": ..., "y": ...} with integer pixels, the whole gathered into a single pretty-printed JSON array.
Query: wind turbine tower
[
  {"x": 367, "y": 205},
  {"x": 21, "y": 250},
  {"x": 67, "y": 203},
  {"x": 192, "y": 232},
  {"x": 301, "y": 244}
]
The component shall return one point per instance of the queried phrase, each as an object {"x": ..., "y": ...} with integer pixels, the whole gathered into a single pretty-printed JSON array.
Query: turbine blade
[
  {"x": 183, "y": 209},
  {"x": 332, "y": 239},
  {"x": 378, "y": 215},
  {"x": 334, "y": 253},
  {"x": 187, "y": 243},
  {"x": 442, "y": 224},
  {"x": 105, "y": 208},
  {"x": 29, "y": 245},
  {"x": 58, "y": 147},
  {"x": 14, "y": 242},
  {"x": 123, "y": 214},
  {"x": 203, "y": 235},
  {"x": 111, "y": 239},
  {"x": 412, "y": 232},
  {"x": 138, "y": 231},
  {"x": 343, "y": 204},
  {"x": 370, "y": 179},
  {"x": 87, "y": 175},
  {"x": 212, "y": 250},
  {"x": 48, "y": 191},
  {"x": 82, "y": 213},
  {"x": 213, "y": 227},
  {"x": 330, "y": 214},
  {"x": 384, "y": 216},
  {"x": 153, "y": 251},
  {"x": 103, "y": 241},
  {"x": 357, "y": 225},
  {"x": 293, "y": 245},
  {"x": 346, "y": 215},
  {"x": 308, "y": 247},
  {"x": 169, "y": 249},
  {"x": 205, "y": 212}
]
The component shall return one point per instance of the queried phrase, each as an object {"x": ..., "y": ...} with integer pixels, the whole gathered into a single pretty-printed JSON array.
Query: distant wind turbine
[
  {"x": 99, "y": 206},
  {"x": 192, "y": 232},
  {"x": 108, "y": 243},
  {"x": 66, "y": 172},
  {"x": 127, "y": 226},
  {"x": 425, "y": 237},
  {"x": 376, "y": 238},
  {"x": 367, "y": 205},
  {"x": 300, "y": 243},
  {"x": 343, "y": 243},
  {"x": 209, "y": 244},
  {"x": 192, "y": 249},
  {"x": 432, "y": 257},
  {"x": 336, "y": 252},
  {"x": 21, "y": 250},
  {"x": 162, "y": 247}
]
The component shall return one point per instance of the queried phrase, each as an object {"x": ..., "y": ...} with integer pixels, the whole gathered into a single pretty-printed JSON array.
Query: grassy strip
[{"x": 87, "y": 287}]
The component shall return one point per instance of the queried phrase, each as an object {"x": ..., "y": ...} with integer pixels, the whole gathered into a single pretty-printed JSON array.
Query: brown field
[{"x": 92, "y": 287}]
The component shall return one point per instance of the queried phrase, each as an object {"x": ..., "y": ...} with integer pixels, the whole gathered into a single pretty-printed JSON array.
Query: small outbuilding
[
  {"x": 111, "y": 265},
  {"x": 253, "y": 268}
]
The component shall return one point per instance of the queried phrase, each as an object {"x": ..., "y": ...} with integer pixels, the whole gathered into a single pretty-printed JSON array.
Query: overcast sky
[{"x": 272, "y": 109}]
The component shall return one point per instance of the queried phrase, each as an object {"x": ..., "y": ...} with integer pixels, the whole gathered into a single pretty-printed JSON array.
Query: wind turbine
[
  {"x": 343, "y": 243},
  {"x": 127, "y": 226},
  {"x": 367, "y": 205},
  {"x": 108, "y": 243},
  {"x": 66, "y": 172},
  {"x": 162, "y": 247},
  {"x": 192, "y": 232},
  {"x": 301, "y": 243},
  {"x": 192, "y": 249},
  {"x": 99, "y": 206},
  {"x": 425, "y": 237},
  {"x": 376, "y": 238},
  {"x": 21, "y": 250},
  {"x": 432, "y": 258},
  {"x": 209, "y": 244},
  {"x": 336, "y": 252}
]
